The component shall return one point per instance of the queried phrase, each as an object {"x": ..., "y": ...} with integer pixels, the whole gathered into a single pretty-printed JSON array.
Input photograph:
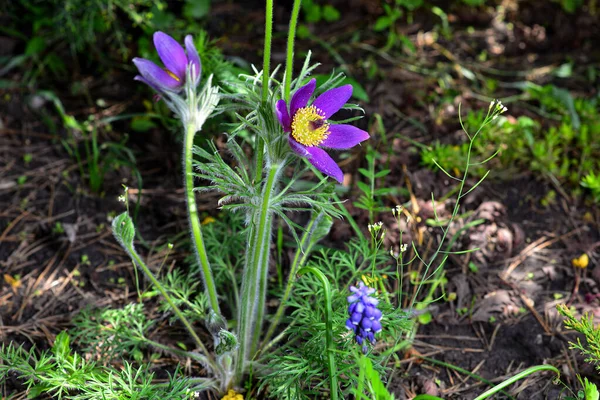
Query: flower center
[
  {"x": 309, "y": 126},
  {"x": 172, "y": 75}
]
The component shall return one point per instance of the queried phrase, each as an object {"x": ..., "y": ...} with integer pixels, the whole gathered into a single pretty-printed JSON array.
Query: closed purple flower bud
[
  {"x": 351, "y": 308},
  {"x": 366, "y": 324},
  {"x": 376, "y": 326},
  {"x": 350, "y": 324},
  {"x": 370, "y": 312},
  {"x": 356, "y": 317},
  {"x": 177, "y": 63}
]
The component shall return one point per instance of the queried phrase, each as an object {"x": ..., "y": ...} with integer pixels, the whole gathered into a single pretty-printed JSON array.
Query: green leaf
[
  {"x": 228, "y": 342},
  {"x": 330, "y": 13},
  {"x": 61, "y": 345},
  {"x": 142, "y": 124},
  {"x": 321, "y": 229},
  {"x": 382, "y": 23},
  {"x": 124, "y": 230},
  {"x": 35, "y": 46},
  {"x": 591, "y": 391},
  {"x": 358, "y": 91},
  {"x": 363, "y": 187},
  {"x": 196, "y": 9},
  {"x": 379, "y": 390},
  {"x": 313, "y": 13}
]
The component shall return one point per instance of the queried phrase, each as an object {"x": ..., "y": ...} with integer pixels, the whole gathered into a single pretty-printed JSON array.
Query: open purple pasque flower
[
  {"x": 173, "y": 77},
  {"x": 310, "y": 130},
  {"x": 365, "y": 317}
]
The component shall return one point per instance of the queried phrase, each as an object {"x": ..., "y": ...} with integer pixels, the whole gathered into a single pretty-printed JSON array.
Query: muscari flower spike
[
  {"x": 176, "y": 62},
  {"x": 309, "y": 128},
  {"x": 365, "y": 317}
]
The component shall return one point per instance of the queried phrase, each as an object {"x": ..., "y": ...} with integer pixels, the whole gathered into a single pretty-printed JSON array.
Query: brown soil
[{"x": 525, "y": 266}]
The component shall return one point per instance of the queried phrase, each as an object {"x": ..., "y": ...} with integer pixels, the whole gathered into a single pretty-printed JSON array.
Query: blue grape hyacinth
[{"x": 365, "y": 317}]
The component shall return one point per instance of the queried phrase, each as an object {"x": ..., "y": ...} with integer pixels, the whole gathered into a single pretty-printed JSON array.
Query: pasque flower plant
[{"x": 284, "y": 128}]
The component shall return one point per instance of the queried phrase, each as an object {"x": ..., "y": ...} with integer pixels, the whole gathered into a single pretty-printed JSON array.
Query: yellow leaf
[
  {"x": 14, "y": 283},
  {"x": 208, "y": 220}
]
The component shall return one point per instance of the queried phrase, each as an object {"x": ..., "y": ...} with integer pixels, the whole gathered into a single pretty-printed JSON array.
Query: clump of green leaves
[
  {"x": 110, "y": 333},
  {"x": 295, "y": 370},
  {"x": 372, "y": 193},
  {"x": 64, "y": 374},
  {"x": 560, "y": 153},
  {"x": 592, "y": 182},
  {"x": 585, "y": 326}
]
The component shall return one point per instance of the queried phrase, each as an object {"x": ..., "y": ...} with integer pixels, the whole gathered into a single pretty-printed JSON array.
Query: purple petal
[
  {"x": 193, "y": 57},
  {"x": 147, "y": 82},
  {"x": 376, "y": 326},
  {"x": 302, "y": 152},
  {"x": 369, "y": 300},
  {"x": 353, "y": 298},
  {"x": 301, "y": 97},
  {"x": 350, "y": 324},
  {"x": 332, "y": 100},
  {"x": 320, "y": 159},
  {"x": 324, "y": 163},
  {"x": 283, "y": 116},
  {"x": 356, "y": 318},
  {"x": 155, "y": 76},
  {"x": 360, "y": 307},
  {"x": 369, "y": 311},
  {"x": 171, "y": 53},
  {"x": 344, "y": 137},
  {"x": 366, "y": 324}
]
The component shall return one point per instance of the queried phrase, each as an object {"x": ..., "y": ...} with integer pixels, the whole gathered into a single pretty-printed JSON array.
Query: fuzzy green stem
[
  {"x": 333, "y": 385},
  {"x": 196, "y": 230},
  {"x": 253, "y": 293},
  {"x": 138, "y": 260},
  {"x": 267, "y": 50},
  {"x": 260, "y": 144},
  {"x": 289, "y": 61},
  {"x": 299, "y": 259}
]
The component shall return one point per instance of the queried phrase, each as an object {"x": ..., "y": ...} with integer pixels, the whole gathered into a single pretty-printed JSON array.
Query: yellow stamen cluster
[
  {"x": 309, "y": 126},
  {"x": 232, "y": 395}
]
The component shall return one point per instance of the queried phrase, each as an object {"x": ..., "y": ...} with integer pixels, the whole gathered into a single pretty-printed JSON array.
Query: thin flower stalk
[
  {"x": 195, "y": 228},
  {"x": 300, "y": 258},
  {"x": 260, "y": 143},
  {"x": 178, "y": 84},
  {"x": 289, "y": 62}
]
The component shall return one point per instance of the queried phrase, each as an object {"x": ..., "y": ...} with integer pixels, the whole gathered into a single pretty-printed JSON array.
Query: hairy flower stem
[
  {"x": 302, "y": 254},
  {"x": 260, "y": 144},
  {"x": 138, "y": 261},
  {"x": 196, "y": 231},
  {"x": 253, "y": 291},
  {"x": 331, "y": 364},
  {"x": 289, "y": 61}
]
